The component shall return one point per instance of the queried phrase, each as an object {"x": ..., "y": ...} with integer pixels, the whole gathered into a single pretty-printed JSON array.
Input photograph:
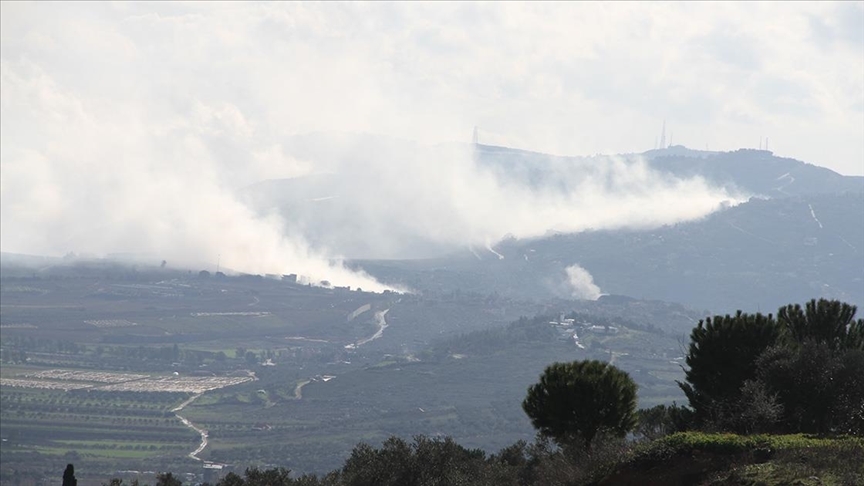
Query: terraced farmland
[
  {"x": 66, "y": 425},
  {"x": 65, "y": 415}
]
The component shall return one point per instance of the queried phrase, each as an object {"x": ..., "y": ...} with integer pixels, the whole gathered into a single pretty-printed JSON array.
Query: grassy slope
[{"x": 712, "y": 459}]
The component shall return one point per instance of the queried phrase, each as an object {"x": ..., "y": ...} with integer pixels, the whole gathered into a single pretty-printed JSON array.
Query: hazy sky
[
  {"x": 571, "y": 78},
  {"x": 141, "y": 116}
]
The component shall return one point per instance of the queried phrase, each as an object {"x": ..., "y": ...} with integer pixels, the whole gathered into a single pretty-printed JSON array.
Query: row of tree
[{"x": 802, "y": 371}]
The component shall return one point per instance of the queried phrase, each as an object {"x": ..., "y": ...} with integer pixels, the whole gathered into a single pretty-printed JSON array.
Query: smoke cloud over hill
[
  {"x": 131, "y": 128},
  {"x": 384, "y": 198}
]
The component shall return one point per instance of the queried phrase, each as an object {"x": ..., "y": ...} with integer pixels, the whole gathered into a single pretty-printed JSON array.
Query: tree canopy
[
  {"x": 824, "y": 321},
  {"x": 574, "y": 401},
  {"x": 721, "y": 357},
  {"x": 799, "y": 373}
]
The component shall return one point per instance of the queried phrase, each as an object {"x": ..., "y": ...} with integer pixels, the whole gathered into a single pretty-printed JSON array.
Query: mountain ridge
[{"x": 332, "y": 212}]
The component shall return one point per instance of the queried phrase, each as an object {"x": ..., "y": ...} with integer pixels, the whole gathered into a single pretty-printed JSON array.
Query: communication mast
[{"x": 663, "y": 136}]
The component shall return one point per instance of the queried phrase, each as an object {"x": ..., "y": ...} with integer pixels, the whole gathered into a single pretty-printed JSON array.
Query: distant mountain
[
  {"x": 342, "y": 210},
  {"x": 800, "y": 236},
  {"x": 754, "y": 171},
  {"x": 756, "y": 256}
]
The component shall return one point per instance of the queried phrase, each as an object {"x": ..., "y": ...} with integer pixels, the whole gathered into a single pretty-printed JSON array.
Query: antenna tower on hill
[{"x": 663, "y": 136}]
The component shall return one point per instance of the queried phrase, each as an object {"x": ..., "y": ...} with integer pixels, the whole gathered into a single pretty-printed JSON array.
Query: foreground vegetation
[{"x": 692, "y": 458}]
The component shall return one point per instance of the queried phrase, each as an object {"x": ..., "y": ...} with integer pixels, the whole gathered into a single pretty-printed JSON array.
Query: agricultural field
[
  {"x": 46, "y": 428},
  {"x": 66, "y": 380}
]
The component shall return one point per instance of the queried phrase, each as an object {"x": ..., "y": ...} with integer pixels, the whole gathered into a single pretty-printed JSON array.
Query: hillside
[
  {"x": 336, "y": 209},
  {"x": 758, "y": 172},
  {"x": 754, "y": 172},
  {"x": 756, "y": 255},
  {"x": 694, "y": 458}
]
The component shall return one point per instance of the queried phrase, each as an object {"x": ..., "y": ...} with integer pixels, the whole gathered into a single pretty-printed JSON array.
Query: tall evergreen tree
[
  {"x": 721, "y": 357},
  {"x": 574, "y": 401},
  {"x": 69, "y": 476},
  {"x": 818, "y": 372},
  {"x": 824, "y": 321}
]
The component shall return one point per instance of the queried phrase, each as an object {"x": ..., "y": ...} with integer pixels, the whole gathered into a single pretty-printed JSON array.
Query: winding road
[
  {"x": 198, "y": 430},
  {"x": 382, "y": 324},
  {"x": 298, "y": 390},
  {"x": 186, "y": 422}
]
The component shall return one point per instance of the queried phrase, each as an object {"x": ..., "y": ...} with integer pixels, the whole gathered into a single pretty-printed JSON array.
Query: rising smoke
[
  {"x": 386, "y": 199},
  {"x": 102, "y": 184},
  {"x": 581, "y": 284}
]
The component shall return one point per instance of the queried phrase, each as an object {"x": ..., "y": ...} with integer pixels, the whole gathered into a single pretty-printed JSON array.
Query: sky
[{"x": 130, "y": 126}]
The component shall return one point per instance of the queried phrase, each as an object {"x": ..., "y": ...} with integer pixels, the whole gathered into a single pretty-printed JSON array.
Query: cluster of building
[{"x": 568, "y": 329}]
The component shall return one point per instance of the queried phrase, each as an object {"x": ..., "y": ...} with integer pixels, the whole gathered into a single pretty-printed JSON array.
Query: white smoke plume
[
  {"x": 401, "y": 196},
  {"x": 94, "y": 179},
  {"x": 581, "y": 284}
]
